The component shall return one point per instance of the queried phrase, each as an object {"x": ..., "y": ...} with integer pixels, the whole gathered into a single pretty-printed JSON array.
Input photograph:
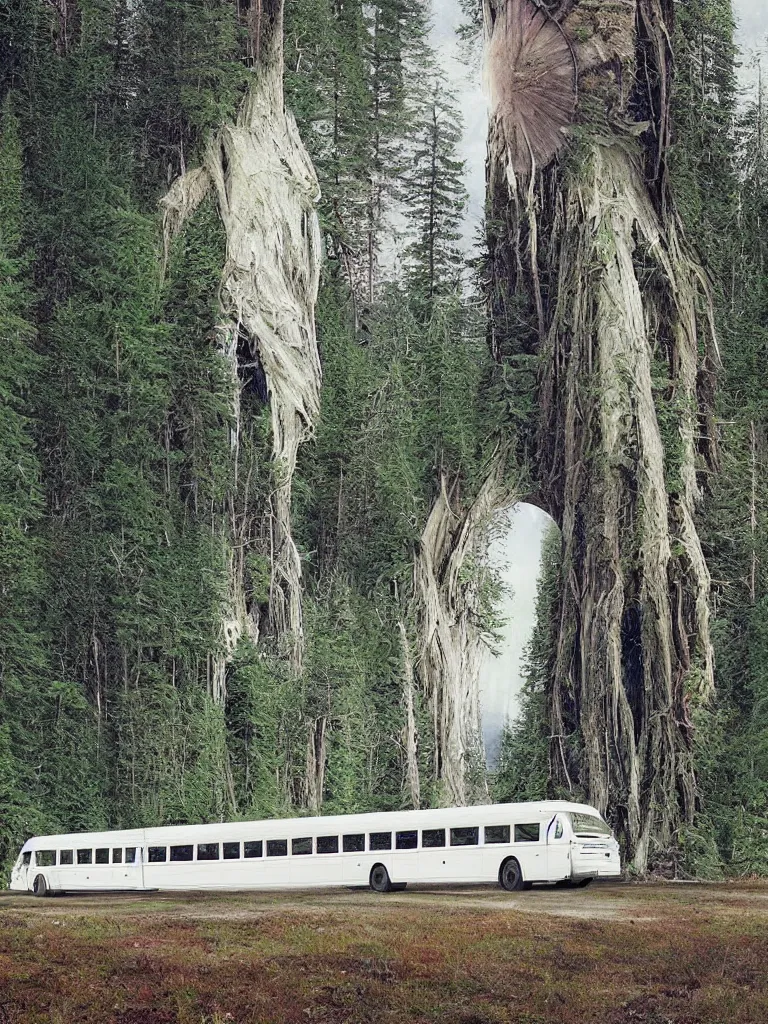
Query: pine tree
[
  {"x": 25, "y": 670},
  {"x": 435, "y": 195},
  {"x": 186, "y": 77},
  {"x": 734, "y": 747},
  {"x": 399, "y": 52},
  {"x": 328, "y": 77},
  {"x": 126, "y": 511}
]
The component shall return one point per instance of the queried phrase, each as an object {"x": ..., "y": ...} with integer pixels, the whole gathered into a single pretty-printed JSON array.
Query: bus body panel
[
  {"x": 549, "y": 857},
  {"x": 433, "y": 865}
]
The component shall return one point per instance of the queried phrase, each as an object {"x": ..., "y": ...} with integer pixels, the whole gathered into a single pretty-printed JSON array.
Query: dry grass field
[{"x": 614, "y": 954}]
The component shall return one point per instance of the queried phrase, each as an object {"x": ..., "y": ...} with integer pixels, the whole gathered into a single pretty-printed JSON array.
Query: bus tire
[
  {"x": 584, "y": 882},
  {"x": 40, "y": 886},
  {"x": 379, "y": 879},
  {"x": 511, "y": 876}
]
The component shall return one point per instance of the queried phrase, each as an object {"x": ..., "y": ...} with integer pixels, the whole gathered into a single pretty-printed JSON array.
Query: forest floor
[{"x": 613, "y": 953}]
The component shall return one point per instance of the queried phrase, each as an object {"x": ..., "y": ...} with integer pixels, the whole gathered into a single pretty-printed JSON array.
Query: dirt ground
[{"x": 669, "y": 953}]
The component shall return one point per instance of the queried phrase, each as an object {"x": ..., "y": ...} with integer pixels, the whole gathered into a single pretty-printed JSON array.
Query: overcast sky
[
  {"x": 517, "y": 549},
  {"x": 752, "y": 17},
  {"x": 472, "y": 99}
]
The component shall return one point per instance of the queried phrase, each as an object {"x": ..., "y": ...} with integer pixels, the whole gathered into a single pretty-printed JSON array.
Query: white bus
[{"x": 513, "y": 845}]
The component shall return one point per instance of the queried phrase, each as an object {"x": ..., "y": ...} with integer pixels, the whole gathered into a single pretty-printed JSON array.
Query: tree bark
[
  {"x": 314, "y": 778},
  {"x": 412, "y": 779},
  {"x": 67, "y": 24},
  {"x": 447, "y": 580},
  {"x": 587, "y": 252}
]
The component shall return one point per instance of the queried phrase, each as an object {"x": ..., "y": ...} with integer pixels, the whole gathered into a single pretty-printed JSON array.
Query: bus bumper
[{"x": 603, "y": 863}]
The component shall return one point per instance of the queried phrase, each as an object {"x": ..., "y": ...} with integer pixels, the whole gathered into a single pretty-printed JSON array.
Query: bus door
[
  {"x": 25, "y": 870},
  {"x": 558, "y": 848},
  {"x": 130, "y": 874}
]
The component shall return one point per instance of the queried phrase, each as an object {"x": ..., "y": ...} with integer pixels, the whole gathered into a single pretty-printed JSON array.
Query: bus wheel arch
[
  {"x": 511, "y": 875},
  {"x": 379, "y": 879},
  {"x": 40, "y": 886}
]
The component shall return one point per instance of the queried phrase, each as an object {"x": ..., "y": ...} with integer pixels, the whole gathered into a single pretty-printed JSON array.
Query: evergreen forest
[{"x": 260, "y": 409}]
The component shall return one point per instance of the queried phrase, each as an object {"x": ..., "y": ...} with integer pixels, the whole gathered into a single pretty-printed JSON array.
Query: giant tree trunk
[
  {"x": 589, "y": 257},
  {"x": 266, "y": 190},
  {"x": 448, "y": 576}
]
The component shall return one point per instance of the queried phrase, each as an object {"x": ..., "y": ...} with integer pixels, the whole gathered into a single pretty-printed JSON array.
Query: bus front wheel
[
  {"x": 510, "y": 876},
  {"x": 40, "y": 886},
  {"x": 379, "y": 879}
]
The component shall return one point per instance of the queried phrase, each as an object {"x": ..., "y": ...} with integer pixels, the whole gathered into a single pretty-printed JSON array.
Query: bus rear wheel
[
  {"x": 40, "y": 886},
  {"x": 510, "y": 876},
  {"x": 379, "y": 879}
]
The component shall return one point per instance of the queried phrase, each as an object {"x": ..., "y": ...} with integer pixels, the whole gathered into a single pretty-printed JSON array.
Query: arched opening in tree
[{"x": 522, "y": 541}]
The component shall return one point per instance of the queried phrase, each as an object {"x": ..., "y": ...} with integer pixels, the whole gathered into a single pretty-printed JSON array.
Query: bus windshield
[{"x": 589, "y": 825}]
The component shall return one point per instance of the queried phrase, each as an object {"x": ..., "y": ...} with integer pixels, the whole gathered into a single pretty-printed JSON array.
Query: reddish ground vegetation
[{"x": 617, "y": 955}]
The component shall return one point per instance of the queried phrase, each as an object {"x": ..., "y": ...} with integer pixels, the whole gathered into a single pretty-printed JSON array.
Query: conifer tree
[
  {"x": 399, "y": 52},
  {"x": 328, "y": 77},
  {"x": 25, "y": 671},
  {"x": 734, "y": 737},
  {"x": 434, "y": 194},
  {"x": 187, "y": 74}
]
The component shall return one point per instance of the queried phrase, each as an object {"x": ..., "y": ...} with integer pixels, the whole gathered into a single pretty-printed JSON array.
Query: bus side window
[
  {"x": 157, "y": 854},
  {"x": 66, "y": 857},
  {"x": 252, "y": 848},
  {"x": 117, "y": 856},
  {"x": 130, "y": 855},
  {"x": 301, "y": 846},
  {"x": 465, "y": 836},
  {"x": 497, "y": 833},
  {"x": 327, "y": 844},
  {"x": 26, "y": 859},
  {"x": 406, "y": 840},
  {"x": 354, "y": 843},
  {"x": 559, "y": 829},
  {"x": 277, "y": 847},
  {"x": 45, "y": 858},
  {"x": 102, "y": 855},
  {"x": 85, "y": 856},
  {"x": 207, "y": 851},
  {"x": 527, "y": 833},
  {"x": 432, "y": 838},
  {"x": 380, "y": 841},
  {"x": 231, "y": 851}
]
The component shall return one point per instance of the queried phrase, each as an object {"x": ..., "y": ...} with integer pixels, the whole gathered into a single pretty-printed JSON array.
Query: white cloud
[
  {"x": 752, "y": 19},
  {"x": 752, "y": 37}
]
